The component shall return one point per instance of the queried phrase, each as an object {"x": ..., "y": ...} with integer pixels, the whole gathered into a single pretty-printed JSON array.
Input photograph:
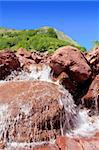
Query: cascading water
[
  {"x": 84, "y": 125},
  {"x": 87, "y": 126},
  {"x": 96, "y": 101},
  {"x": 37, "y": 72}
]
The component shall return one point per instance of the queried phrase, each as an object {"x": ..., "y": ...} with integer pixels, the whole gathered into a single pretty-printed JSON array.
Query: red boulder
[
  {"x": 8, "y": 63},
  {"x": 70, "y": 60},
  {"x": 91, "y": 99}
]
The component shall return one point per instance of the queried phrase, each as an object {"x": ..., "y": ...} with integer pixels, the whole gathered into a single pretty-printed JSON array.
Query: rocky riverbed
[{"x": 49, "y": 101}]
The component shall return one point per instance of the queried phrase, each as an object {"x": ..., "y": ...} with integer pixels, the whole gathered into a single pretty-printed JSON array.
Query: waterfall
[
  {"x": 37, "y": 72},
  {"x": 83, "y": 125},
  {"x": 87, "y": 126}
]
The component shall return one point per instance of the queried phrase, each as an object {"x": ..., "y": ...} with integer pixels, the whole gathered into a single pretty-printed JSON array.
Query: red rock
[
  {"x": 93, "y": 94},
  {"x": 34, "y": 110},
  {"x": 89, "y": 143},
  {"x": 36, "y": 57},
  {"x": 70, "y": 60},
  {"x": 2, "y": 145},
  {"x": 23, "y": 52},
  {"x": 39, "y": 147},
  {"x": 26, "y": 63},
  {"x": 64, "y": 79},
  {"x": 62, "y": 143},
  {"x": 25, "y": 59},
  {"x": 93, "y": 58},
  {"x": 97, "y": 134},
  {"x": 46, "y": 147},
  {"x": 8, "y": 63},
  {"x": 66, "y": 143},
  {"x": 40, "y": 57},
  {"x": 28, "y": 59}
]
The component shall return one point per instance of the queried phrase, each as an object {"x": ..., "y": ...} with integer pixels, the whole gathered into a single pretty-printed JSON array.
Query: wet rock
[
  {"x": 46, "y": 147},
  {"x": 37, "y": 57},
  {"x": 40, "y": 57},
  {"x": 93, "y": 58},
  {"x": 64, "y": 79},
  {"x": 2, "y": 145},
  {"x": 97, "y": 134},
  {"x": 35, "y": 111},
  {"x": 68, "y": 143},
  {"x": 89, "y": 143},
  {"x": 8, "y": 63},
  {"x": 28, "y": 59},
  {"x": 91, "y": 99},
  {"x": 72, "y": 62},
  {"x": 25, "y": 59},
  {"x": 26, "y": 63}
]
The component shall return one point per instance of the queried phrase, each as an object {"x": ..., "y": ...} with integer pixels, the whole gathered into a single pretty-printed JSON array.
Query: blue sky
[{"x": 77, "y": 19}]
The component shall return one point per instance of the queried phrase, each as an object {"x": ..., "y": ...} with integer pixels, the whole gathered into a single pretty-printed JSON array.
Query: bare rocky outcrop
[
  {"x": 71, "y": 61},
  {"x": 91, "y": 99},
  {"x": 28, "y": 59},
  {"x": 93, "y": 59},
  {"x": 73, "y": 64},
  {"x": 35, "y": 111},
  {"x": 8, "y": 63}
]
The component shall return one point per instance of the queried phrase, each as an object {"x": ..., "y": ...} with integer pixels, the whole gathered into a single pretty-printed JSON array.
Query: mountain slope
[{"x": 42, "y": 39}]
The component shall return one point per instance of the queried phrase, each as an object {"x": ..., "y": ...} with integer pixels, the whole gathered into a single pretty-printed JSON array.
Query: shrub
[
  {"x": 43, "y": 43},
  {"x": 43, "y": 39}
]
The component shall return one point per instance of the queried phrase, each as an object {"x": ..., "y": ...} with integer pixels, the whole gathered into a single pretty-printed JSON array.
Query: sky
[{"x": 77, "y": 19}]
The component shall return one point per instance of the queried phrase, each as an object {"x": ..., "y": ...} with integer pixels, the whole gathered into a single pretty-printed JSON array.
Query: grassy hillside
[{"x": 42, "y": 39}]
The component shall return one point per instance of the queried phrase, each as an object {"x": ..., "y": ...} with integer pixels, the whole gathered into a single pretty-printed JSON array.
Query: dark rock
[
  {"x": 8, "y": 63},
  {"x": 37, "y": 57},
  {"x": 72, "y": 62},
  {"x": 91, "y": 99}
]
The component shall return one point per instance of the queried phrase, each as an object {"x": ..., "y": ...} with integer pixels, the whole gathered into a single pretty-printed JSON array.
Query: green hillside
[{"x": 42, "y": 39}]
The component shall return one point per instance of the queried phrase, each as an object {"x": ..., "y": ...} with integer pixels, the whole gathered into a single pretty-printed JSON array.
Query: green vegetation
[
  {"x": 43, "y": 39},
  {"x": 96, "y": 43}
]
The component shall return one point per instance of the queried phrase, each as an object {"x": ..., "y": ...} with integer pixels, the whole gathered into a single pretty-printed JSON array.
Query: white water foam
[
  {"x": 37, "y": 72},
  {"x": 87, "y": 126},
  {"x": 3, "y": 119},
  {"x": 12, "y": 145}
]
